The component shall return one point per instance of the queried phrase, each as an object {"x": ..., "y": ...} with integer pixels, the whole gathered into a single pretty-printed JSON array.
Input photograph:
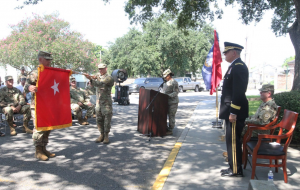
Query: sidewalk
[{"x": 199, "y": 160}]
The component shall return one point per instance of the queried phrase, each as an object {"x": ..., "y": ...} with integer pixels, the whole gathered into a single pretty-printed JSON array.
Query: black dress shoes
[
  {"x": 224, "y": 170},
  {"x": 229, "y": 173}
]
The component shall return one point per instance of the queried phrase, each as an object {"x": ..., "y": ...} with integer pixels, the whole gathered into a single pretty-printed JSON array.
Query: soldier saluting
[{"x": 234, "y": 107}]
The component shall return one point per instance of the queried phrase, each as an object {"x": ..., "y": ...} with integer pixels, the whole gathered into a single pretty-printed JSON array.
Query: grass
[
  {"x": 253, "y": 105},
  {"x": 113, "y": 90}
]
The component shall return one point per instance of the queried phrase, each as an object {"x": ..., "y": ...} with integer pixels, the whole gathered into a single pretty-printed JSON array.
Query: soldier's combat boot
[
  {"x": 39, "y": 154},
  {"x": 26, "y": 129},
  {"x": 48, "y": 154},
  {"x": 85, "y": 120},
  {"x": 12, "y": 129},
  {"x": 100, "y": 138},
  {"x": 80, "y": 121},
  {"x": 169, "y": 132},
  {"x": 106, "y": 140}
]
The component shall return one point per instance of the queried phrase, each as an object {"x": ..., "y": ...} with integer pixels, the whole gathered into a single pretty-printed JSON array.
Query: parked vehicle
[
  {"x": 185, "y": 83},
  {"x": 146, "y": 83}
]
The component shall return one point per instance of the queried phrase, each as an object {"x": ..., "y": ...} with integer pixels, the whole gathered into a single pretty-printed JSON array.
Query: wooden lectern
[{"x": 156, "y": 122}]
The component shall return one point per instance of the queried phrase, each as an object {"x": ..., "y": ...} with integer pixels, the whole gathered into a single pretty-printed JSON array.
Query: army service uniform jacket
[{"x": 233, "y": 99}]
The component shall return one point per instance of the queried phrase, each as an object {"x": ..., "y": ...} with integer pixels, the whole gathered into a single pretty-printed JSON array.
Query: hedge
[{"x": 290, "y": 101}]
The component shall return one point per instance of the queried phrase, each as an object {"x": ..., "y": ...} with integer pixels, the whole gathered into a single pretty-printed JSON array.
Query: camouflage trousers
[
  {"x": 40, "y": 138},
  {"x": 172, "y": 109},
  {"x": 254, "y": 133},
  {"x": 103, "y": 117},
  {"x": 9, "y": 113},
  {"x": 78, "y": 110}
]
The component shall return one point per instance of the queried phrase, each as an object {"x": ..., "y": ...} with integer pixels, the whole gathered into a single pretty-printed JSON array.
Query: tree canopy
[
  {"x": 160, "y": 46},
  {"x": 48, "y": 33}
]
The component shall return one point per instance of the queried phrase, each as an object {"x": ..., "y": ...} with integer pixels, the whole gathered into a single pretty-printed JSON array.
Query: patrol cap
[
  {"x": 23, "y": 78},
  {"x": 72, "y": 79},
  {"x": 45, "y": 55},
  {"x": 102, "y": 66},
  {"x": 267, "y": 87},
  {"x": 8, "y": 77},
  {"x": 167, "y": 72},
  {"x": 22, "y": 68},
  {"x": 229, "y": 46}
]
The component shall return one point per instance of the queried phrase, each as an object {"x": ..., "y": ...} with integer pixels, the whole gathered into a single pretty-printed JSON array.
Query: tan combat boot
[
  {"x": 85, "y": 120},
  {"x": 49, "y": 154},
  {"x": 39, "y": 154},
  {"x": 106, "y": 140},
  {"x": 26, "y": 129},
  {"x": 12, "y": 129},
  {"x": 80, "y": 121},
  {"x": 100, "y": 138}
]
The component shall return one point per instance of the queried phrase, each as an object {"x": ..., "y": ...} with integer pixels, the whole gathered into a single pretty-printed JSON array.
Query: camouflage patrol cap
[
  {"x": 167, "y": 72},
  {"x": 267, "y": 87},
  {"x": 102, "y": 66},
  {"x": 8, "y": 77},
  {"x": 72, "y": 79},
  {"x": 45, "y": 55}
]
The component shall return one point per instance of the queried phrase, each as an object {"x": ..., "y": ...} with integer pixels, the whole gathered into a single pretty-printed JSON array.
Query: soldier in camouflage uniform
[
  {"x": 80, "y": 100},
  {"x": 12, "y": 101},
  {"x": 171, "y": 89},
  {"x": 103, "y": 83},
  {"x": 265, "y": 113},
  {"x": 91, "y": 90},
  {"x": 40, "y": 138},
  {"x": 23, "y": 74}
]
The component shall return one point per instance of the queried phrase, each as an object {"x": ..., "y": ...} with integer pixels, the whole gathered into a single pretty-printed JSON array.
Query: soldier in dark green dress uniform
[{"x": 234, "y": 107}]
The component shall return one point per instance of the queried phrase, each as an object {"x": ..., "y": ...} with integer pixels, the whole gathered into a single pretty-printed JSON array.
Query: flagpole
[{"x": 217, "y": 124}]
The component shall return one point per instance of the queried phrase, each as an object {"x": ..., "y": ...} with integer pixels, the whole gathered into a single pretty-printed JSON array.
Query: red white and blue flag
[{"x": 211, "y": 70}]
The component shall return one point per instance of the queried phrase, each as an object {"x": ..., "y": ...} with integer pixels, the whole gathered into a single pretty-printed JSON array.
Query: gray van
[{"x": 146, "y": 83}]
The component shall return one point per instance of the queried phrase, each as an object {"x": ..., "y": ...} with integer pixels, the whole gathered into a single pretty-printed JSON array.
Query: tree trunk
[{"x": 294, "y": 32}]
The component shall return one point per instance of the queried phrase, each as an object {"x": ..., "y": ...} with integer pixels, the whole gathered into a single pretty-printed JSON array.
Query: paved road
[{"x": 130, "y": 161}]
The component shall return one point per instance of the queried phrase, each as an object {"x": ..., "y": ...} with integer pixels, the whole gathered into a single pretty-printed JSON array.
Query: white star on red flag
[{"x": 55, "y": 87}]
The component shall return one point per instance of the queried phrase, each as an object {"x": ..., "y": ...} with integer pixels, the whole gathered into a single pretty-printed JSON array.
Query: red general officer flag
[
  {"x": 216, "y": 75},
  {"x": 52, "y": 100}
]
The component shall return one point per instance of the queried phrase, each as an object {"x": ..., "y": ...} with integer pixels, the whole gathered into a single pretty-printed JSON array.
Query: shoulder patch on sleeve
[{"x": 239, "y": 64}]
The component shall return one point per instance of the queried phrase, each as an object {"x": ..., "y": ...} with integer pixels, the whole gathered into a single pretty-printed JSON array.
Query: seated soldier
[
  {"x": 13, "y": 102},
  {"x": 91, "y": 90},
  {"x": 265, "y": 113},
  {"x": 80, "y": 100}
]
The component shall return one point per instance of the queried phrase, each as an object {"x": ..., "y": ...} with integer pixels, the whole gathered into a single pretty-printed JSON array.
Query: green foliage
[
  {"x": 290, "y": 101},
  {"x": 48, "y": 33},
  {"x": 159, "y": 46},
  {"x": 186, "y": 12},
  {"x": 285, "y": 64},
  {"x": 28, "y": 2},
  {"x": 253, "y": 106}
]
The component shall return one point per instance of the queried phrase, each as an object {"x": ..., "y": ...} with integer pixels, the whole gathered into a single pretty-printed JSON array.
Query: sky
[{"x": 101, "y": 23}]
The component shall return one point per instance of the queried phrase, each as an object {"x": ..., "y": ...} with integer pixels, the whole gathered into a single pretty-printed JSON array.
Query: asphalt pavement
[
  {"x": 190, "y": 159},
  {"x": 130, "y": 161},
  {"x": 199, "y": 159}
]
